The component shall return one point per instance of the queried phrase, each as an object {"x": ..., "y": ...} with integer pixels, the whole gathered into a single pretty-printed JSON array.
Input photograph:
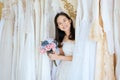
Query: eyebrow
[{"x": 63, "y": 19}]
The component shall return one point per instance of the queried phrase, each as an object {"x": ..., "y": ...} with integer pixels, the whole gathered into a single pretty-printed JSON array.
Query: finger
[
  {"x": 50, "y": 54},
  {"x": 54, "y": 52}
]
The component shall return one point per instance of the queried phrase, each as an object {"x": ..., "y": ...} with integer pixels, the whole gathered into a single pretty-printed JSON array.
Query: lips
[{"x": 64, "y": 27}]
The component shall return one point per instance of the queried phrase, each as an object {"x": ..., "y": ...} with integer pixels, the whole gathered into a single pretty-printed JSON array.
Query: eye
[
  {"x": 59, "y": 23},
  {"x": 64, "y": 20}
]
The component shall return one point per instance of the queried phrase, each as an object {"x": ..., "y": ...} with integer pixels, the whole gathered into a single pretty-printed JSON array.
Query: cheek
[
  {"x": 60, "y": 27},
  {"x": 69, "y": 23}
]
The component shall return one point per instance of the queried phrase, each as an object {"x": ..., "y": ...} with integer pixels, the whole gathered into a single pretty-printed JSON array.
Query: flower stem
[{"x": 55, "y": 63}]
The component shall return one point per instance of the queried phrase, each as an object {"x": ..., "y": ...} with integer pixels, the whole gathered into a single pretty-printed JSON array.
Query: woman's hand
[{"x": 53, "y": 56}]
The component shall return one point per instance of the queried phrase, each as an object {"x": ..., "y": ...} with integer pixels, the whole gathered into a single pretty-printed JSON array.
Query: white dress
[
  {"x": 64, "y": 67},
  {"x": 83, "y": 63}
]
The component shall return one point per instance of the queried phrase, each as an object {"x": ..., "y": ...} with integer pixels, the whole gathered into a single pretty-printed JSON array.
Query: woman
[{"x": 65, "y": 35}]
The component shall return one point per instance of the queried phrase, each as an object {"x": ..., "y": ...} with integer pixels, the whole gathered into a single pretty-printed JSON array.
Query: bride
[{"x": 65, "y": 35}]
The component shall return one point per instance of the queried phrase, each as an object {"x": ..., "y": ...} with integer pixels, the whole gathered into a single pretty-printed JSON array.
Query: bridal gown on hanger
[
  {"x": 83, "y": 63},
  {"x": 117, "y": 36}
]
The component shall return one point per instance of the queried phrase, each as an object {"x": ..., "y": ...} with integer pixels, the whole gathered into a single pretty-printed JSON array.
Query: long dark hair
[{"x": 59, "y": 35}]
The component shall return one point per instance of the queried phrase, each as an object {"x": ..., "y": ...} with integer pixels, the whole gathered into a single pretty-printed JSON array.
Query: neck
[{"x": 67, "y": 33}]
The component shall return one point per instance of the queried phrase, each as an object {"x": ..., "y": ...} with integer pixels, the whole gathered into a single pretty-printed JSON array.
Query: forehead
[{"x": 61, "y": 17}]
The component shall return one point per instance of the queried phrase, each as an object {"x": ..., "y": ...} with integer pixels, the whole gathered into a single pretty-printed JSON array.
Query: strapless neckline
[{"x": 72, "y": 42}]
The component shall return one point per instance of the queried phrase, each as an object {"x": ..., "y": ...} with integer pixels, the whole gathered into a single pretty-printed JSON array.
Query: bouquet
[{"x": 48, "y": 46}]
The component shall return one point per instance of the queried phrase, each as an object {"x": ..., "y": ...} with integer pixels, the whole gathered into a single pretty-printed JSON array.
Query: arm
[
  {"x": 61, "y": 51},
  {"x": 60, "y": 56},
  {"x": 64, "y": 58}
]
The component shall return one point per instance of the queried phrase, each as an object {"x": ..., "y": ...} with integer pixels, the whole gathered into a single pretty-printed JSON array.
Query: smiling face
[{"x": 63, "y": 23}]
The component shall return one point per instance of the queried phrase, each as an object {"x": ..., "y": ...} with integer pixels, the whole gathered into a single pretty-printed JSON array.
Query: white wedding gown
[{"x": 64, "y": 68}]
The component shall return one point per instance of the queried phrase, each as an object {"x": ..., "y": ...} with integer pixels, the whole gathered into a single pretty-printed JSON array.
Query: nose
[{"x": 63, "y": 24}]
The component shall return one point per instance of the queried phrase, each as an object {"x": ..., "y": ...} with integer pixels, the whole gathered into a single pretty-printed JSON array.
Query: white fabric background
[{"x": 27, "y": 22}]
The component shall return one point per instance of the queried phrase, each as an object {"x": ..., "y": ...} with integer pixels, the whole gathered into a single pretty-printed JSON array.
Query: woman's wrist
[{"x": 60, "y": 57}]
